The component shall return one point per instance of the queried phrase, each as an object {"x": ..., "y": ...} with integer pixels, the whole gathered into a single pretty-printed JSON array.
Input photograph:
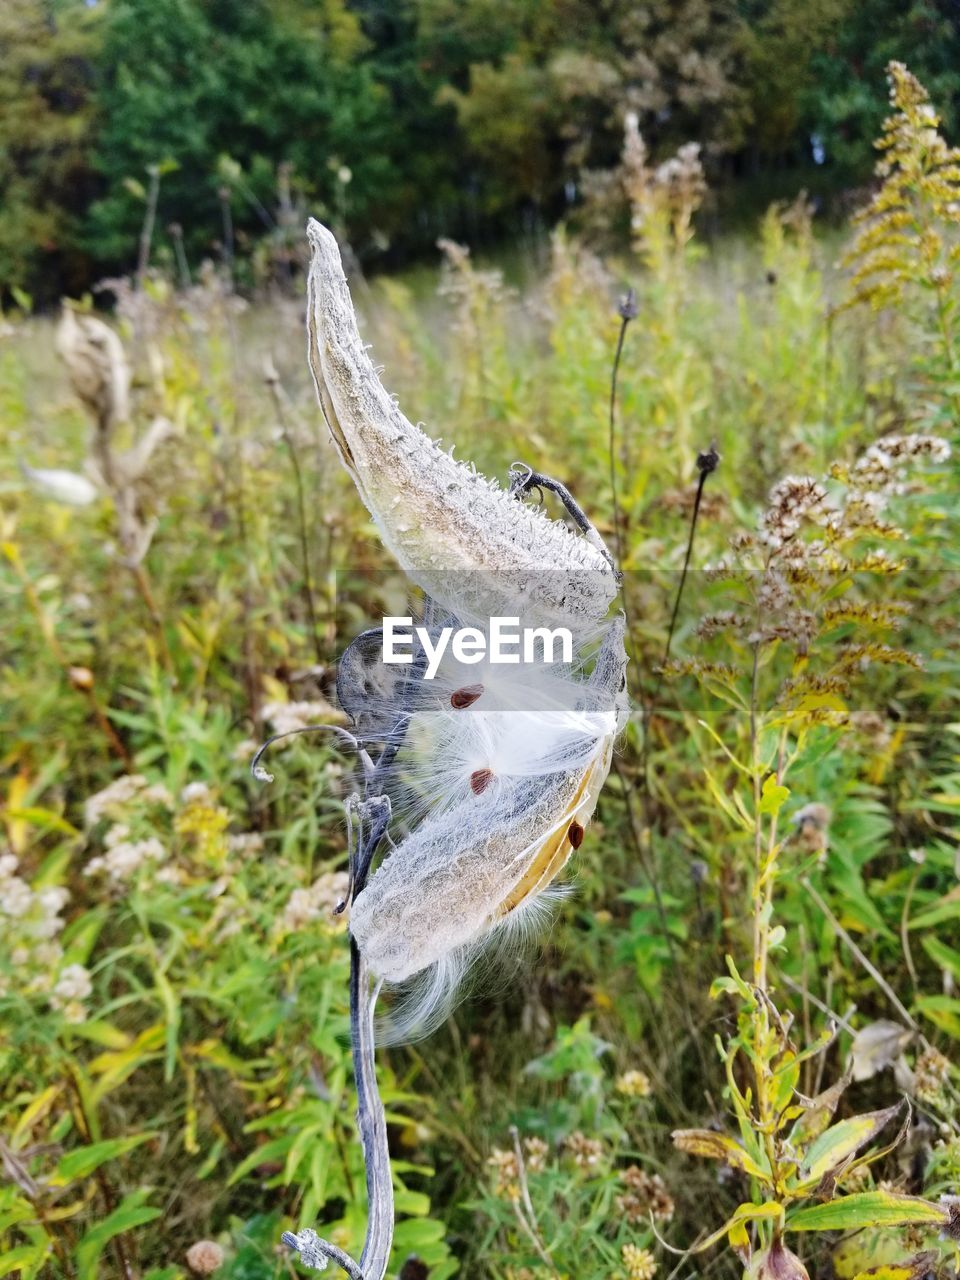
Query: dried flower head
[
  {"x": 204, "y": 1257},
  {"x": 587, "y": 1152},
  {"x": 535, "y": 1152},
  {"x": 646, "y": 1197},
  {"x": 506, "y": 1173},
  {"x": 931, "y": 1075},
  {"x": 318, "y": 902}
]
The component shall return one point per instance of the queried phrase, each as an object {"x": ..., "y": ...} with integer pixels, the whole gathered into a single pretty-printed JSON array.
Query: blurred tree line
[{"x": 402, "y": 119}]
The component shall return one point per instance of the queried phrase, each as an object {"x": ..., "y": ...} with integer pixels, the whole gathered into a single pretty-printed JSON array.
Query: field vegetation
[{"x": 740, "y": 1034}]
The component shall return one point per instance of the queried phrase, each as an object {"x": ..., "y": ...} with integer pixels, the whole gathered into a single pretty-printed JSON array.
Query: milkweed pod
[
  {"x": 437, "y": 516},
  {"x": 96, "y": 365},
  {"x": 471, "y": 866}
]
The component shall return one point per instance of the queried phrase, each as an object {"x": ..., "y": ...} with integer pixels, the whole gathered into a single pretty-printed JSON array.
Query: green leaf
[
  {"x": 943, "y": 955},
  {"x": 867, "y": 1209},
  {"x": 772, "y": 795},
  {"x": 132, "y": 1212},
  {"x": 269, "y": 1151},
  {"x": 948, "y": 908},
  {"x": 23, "y": 1256},
  {"x": 943, "y": 1012},
  {"x": 85, "y": 1160}
]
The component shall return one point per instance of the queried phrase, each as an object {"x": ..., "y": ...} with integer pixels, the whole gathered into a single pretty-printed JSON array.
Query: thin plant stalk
[
  {"x": 146, "y": 231},
  {"x": 706, "y": 464},
  {"x": 273, "y": 382},
  {"x": 627, "y": 311}
]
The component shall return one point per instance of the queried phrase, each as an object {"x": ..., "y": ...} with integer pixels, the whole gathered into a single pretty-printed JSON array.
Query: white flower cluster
[
  {"x": 880, "y": 468},
  {"x": 120, "y": 792},
  {"x": 124, "y": 856},
  {"x": 317, "y": 902},
  {"x": 287, "y": 717},
  {"x": 245, "y": 842},
  {"x": 29, "y": 923},
  {"x": 793, "y": 500}
]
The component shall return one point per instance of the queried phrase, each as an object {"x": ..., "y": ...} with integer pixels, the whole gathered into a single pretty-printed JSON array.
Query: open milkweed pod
[
  {"x": 481, "y": 862},
  {"x": 437, "y": 516},
  {"x": 96, "y": 365}
]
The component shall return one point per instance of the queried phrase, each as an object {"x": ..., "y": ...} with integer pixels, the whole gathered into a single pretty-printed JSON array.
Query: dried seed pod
[
  {"x": 466, "y": 541},
  {"x": 96, "y": 364},
  {"x": 476, "y": 864}
]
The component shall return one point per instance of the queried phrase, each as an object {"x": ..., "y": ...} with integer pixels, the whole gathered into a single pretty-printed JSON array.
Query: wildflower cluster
[
  {"x": 506, "y": 1173},
  {"x": 289, "y": 717},
  {"x": 646, "y": 1197},
  {"x": 634, "y": 1084},
  {"x": 662, "y": 199},
  {"x": 639, "y": 1264},
  {"x": 152, "y": 835},
  {"x": 562, "y": 1192},
  {"x": 30, "y": 921},
  {"x": 470, "y": 290},
  {"x": 587, "y": 1152},
  {"x": 931, "y": 1076},
  {"x": 317, "y": 902},
  {"x": 123, "y": 791},
  {"x": 793, "y": 580}
]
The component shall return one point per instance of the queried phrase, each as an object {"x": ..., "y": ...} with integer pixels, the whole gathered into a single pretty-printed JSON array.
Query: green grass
[{"x": 214, "y": 1029}]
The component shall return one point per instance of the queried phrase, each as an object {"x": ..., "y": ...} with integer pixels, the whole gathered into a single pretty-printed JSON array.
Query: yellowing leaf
[
  {"x": 35, "y": 1111},
  {"x": 717, "y": 1146},
  {"x": 943, "y": 1012},
  {"x": 733, "y": 1227},
  {"x": 815, "y": 1117},
  {"x": 723, "y": 800},
  {"x": 841, "y": 1141},
  {"x": 912, "y": 1269}
]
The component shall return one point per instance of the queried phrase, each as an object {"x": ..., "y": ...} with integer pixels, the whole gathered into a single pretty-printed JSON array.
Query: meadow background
[{"x": 763, "y": 942}]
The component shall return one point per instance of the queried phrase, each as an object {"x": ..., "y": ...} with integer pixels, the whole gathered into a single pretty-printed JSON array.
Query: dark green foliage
[
  {"x": 196, "y": 84},
  {"x": 46, "y": 128},
  {"x": 401, "y": 120}
]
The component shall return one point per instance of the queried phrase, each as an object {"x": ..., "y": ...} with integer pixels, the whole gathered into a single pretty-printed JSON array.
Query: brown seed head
[{"x": 204, "y": 1257}]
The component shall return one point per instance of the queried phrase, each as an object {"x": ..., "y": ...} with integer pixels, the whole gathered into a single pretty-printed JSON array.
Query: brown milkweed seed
[
  {"x": 575, "y": 835},
  {"x": 466, "y": 696},
  {"x": 480, "y": 779}
]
